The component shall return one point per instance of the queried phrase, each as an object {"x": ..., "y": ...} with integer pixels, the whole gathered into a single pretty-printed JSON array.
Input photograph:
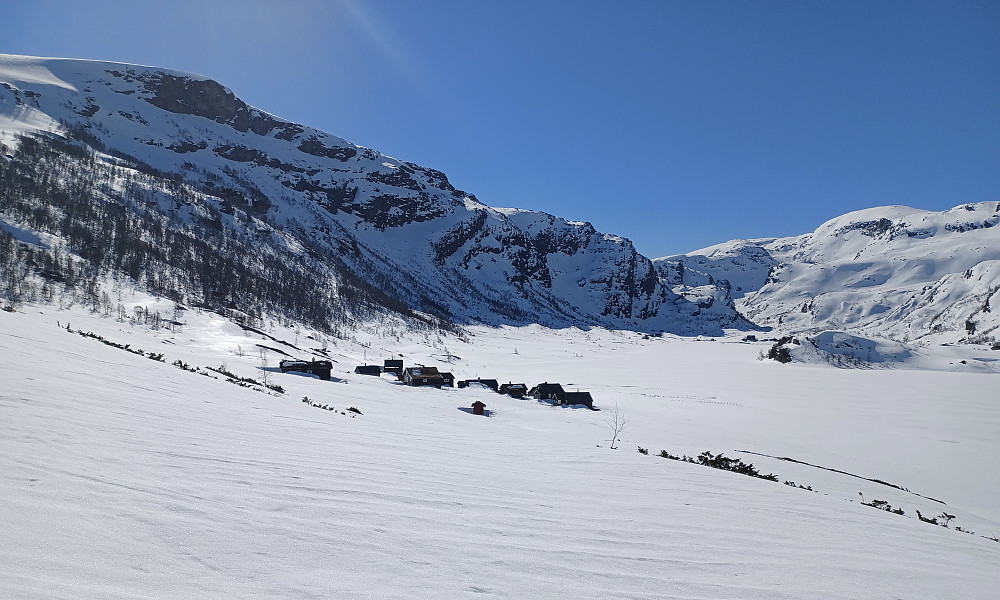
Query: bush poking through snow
[
  {"x": 180, "y": 364},
  {"x": 801, "y": 487},
  {"x": 943, "y": 516},
  {"x": 779, "y": 352},
  {"x": 883, "y": 505},
  {"x": 720, "y": 461}
]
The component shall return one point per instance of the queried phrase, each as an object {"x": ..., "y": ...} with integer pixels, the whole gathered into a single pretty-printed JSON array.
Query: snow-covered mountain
[
  {"x": 893, "y": 272},
  {"x": 398, "y": 232},
  {"x": 216, "y": 202}
]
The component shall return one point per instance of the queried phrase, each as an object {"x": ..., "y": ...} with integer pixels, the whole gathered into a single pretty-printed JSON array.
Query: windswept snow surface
[
  {"x": 27, "y": 69},
  {"x": 123, "y": 477}
]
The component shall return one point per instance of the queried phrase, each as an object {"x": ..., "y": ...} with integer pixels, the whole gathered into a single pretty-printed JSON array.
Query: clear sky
[{"x": 675, "y": 124}]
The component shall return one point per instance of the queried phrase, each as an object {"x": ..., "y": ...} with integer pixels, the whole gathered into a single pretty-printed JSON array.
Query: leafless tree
[
  {"x": 264, "y": 363},
  {"x": 617, "y": 422}
]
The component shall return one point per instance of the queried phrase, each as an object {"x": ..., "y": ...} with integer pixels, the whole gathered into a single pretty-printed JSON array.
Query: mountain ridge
[
  {"x": 372, "y": 231},
  {"x": 380, "y": 216},
  {"x": 896, "y": 272}
]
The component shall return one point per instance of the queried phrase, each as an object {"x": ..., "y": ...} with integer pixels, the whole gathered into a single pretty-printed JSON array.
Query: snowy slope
[
  {"x": 400, "y": 227},
  {"x": 893, "y": 272},
  {"x": 125, "y": 477}
]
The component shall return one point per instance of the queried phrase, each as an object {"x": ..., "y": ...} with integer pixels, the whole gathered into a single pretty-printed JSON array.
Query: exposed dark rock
[
  {"x": 90, "y": 110},
  {"x": 881, "y": 227},
  {"x": 240, "y": 153},
  {"x": 389, "y": 210},
  {"x": 244, "y": 154},
  {"x": 208, "y": 99},
  {"x": 458, "y": 236},
  {"x": 434, "y": 177},
  {"x": 398, "y": 177},
  {"x": 970, "y": 226},
  {"x": 184, "y": 147},
  {"x": 204, "y": 98},
  {"x": 316, "y": 148},
  {"x": 287, "y": 131}
]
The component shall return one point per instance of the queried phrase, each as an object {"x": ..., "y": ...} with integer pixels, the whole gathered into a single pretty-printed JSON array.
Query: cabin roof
[
  {"x": 549, "y": 387},
  {"x": 315, "y": 364},
  {"x": 423, "y": 371}
]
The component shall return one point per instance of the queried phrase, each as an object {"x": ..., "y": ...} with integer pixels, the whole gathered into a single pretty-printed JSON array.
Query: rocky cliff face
[{"x": 401, "y": 227}]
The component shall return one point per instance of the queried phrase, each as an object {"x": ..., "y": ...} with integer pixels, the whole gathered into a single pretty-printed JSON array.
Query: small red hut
[{"x": 478, "y": 408}]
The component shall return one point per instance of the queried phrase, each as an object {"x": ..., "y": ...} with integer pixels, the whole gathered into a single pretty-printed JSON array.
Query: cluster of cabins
[{"x": 431, "y": 376}]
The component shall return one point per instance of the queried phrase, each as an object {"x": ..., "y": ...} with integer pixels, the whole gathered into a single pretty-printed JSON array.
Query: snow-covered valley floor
[{"x": 124, "y": 477}]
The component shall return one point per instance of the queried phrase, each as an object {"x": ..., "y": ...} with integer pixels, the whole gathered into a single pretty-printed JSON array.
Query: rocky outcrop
[{"x": 208, "y": 99}]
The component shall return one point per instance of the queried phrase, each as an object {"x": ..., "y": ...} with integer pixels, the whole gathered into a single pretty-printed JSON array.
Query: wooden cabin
[
  {"x": 447, "y": 380},
  {"x": 514, "y": 390},
  {"x": 368, "y": 370},
  {"x": 548, "y": 391},
  {"x": 479, "y": 408},
  {"x": 583, "y": 398},
  {"x": 493, "y": 384},
  {"x": 417, "y": 376},
  {"x": 319, "y": 368},
  {"x": 393, "y": 366}
]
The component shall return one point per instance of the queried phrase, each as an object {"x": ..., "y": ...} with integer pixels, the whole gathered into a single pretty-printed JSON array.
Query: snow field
[{"x": 124, "y": 477}]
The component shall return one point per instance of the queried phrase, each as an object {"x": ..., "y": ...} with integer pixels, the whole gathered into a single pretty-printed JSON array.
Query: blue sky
[{"x": 675, "y": 124}]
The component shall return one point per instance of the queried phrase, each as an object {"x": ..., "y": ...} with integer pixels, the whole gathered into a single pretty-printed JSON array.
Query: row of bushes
[
  {"x": 720, "y": 461},
  {"x": 126, "y": 347},
  {"x": 180, "y": 364},
  {"x": 717, "y": 461}
]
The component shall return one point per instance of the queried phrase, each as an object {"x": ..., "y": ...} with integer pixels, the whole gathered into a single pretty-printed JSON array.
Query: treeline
[{"x": 170, "y": 238}]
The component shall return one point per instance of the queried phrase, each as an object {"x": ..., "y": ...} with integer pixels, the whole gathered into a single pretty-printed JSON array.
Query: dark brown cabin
[
  {"x": 490, "y": 383},
  {"x": 548, "y": 391},
  {"x": 417, "y": 376},
  {"x": 393, "y": 366},
  {"x": 514, "y": 390},
  {"x": 583, "y": 398},
  {"x": 479, "y": 408},
  {"x": 319, "y": 368}
]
